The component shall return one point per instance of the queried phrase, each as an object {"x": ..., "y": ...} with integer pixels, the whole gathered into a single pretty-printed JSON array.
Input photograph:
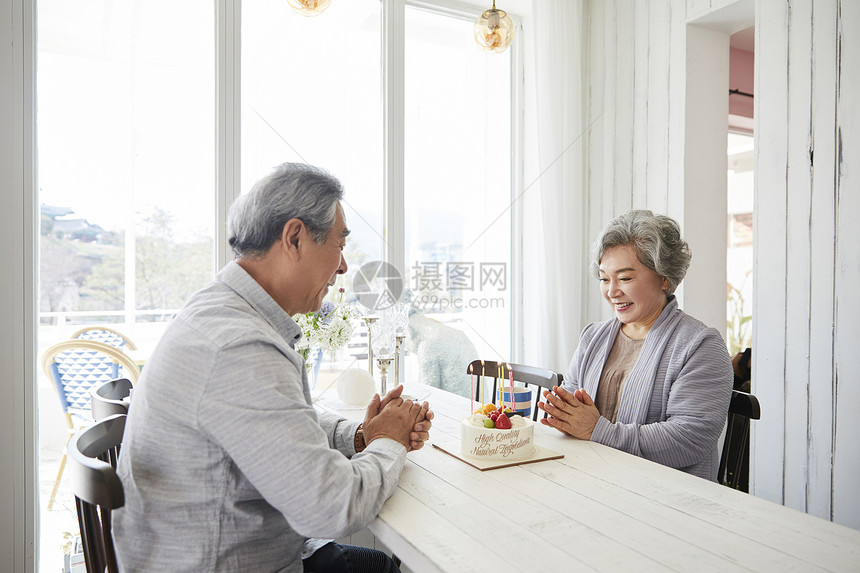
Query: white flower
[
  {"x": 328, "y": 329},
  {"x": 336, "y": 334}
]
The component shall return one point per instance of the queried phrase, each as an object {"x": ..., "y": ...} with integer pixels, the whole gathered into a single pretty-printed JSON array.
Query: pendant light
[
  {"x": 309, "y": 7},
  {"x": 494, "y": 30}
]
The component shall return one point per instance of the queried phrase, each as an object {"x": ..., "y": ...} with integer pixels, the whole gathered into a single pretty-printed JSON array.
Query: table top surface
[{"x": 596, "y": 509}]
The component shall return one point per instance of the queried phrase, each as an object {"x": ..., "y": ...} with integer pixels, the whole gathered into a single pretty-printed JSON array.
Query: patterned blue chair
[
  {"x": 77, "y": 367},
  {"x": 107, "y": 335}
]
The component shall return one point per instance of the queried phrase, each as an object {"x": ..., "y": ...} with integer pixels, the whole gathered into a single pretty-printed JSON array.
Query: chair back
[
  {"x": 93, "y": 452},
  {"x": 742, "y": 408},
  {"x": 78, "y": 366},
  {"x": 529, "y": 376},
  {"x": 106, "y": 335},
  {"x": 111, "y": 398}
]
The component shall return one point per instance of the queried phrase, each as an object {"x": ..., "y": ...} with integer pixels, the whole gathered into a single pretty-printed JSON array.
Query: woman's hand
[{"x": 573, "y": 414}]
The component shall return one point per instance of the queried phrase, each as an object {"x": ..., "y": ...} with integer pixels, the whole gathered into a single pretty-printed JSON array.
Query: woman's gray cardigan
[{"x": 674, "y": 402}]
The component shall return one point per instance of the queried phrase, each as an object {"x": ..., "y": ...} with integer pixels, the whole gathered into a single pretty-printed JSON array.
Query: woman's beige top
[{"x": 621, "y": 360}]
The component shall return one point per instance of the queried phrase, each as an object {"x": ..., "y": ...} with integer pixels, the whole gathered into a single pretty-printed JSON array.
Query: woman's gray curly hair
[{"x": 657, "y": 240}]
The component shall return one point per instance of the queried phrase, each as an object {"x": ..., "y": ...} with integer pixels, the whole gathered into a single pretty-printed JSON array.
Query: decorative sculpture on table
[
  {"x": 443, "y": 353},
  {"x": 398, "y": 316},
  {"x": 383, "y": 348},
  {"x": 398, "y": 342},
  {"x": 369, "y": 320}
]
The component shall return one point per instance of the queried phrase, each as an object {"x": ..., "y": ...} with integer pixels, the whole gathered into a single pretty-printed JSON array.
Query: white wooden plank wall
[
  {"x": 697, "y": 8},
  {"x": 640, "y": 43},
  {"x": 822, "y": 247},
  {"x": 624, "y": 104},
  {"x": 846, "y": 462},
  {"x": 797, "y": 287},
  {"x": 769, "y": 220},
  {"x": 657, "y": 125},
  {"x": 806, "y": 445},
  {"x": 634, "y": 156},
  {"x": 677, "y": 39},
  {"x": 598, "y": 120},
  {"x": 609, "y": 73}
]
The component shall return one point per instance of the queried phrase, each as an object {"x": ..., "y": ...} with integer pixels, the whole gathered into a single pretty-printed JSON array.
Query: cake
[{"x": 484, "y": 438}]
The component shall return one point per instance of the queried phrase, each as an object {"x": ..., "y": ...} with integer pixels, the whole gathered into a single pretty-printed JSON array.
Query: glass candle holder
[{"x": 369, "y": 321}]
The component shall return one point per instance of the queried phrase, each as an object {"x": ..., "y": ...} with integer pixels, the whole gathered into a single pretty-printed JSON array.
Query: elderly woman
[{"x": 653, "y": 381}]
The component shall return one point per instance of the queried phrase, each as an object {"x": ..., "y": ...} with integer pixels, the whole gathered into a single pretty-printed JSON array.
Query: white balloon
[{"x": 355, "y": 387}]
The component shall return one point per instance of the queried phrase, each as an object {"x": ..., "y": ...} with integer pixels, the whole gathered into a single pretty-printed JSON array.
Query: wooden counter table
[{"x": 596, "y": 509}]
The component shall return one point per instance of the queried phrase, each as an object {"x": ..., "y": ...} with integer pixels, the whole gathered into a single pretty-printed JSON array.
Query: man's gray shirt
[{"x": 225, "y": 463}]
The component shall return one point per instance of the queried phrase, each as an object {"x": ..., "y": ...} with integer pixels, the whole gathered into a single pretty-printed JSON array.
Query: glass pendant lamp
[
  {"x": 494, "y": 30},
  {"x": 309, "y": 7}
]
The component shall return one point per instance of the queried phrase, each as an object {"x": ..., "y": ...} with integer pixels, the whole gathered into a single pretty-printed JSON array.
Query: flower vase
[{"x": 337, "y": 359}]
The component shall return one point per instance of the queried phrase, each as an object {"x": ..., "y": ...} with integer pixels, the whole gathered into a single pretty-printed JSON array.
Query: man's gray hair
[
  {"x": 292, "y": 191},
  {"x": 656, "y": 239}
]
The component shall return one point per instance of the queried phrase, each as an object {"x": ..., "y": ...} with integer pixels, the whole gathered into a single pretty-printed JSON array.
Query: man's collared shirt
[{"x": 225, "y": 463}]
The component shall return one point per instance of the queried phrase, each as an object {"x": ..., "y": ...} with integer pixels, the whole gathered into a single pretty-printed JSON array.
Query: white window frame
[
  {"x": 19, "y": 409},
  {"x": 228, "y": 39},
  {"x": 228, "y": 128}
]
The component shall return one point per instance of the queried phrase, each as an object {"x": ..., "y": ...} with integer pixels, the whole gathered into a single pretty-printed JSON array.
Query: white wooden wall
[
  {"x": 635, "y": 107},
  {"x": 644, "y": 152},
  {"x": 807, "y": 252},
  {"x": 656, "y": 111}
]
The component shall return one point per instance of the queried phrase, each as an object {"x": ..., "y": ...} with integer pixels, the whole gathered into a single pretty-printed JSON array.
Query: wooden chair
[
  {"x": 529, "y": 376},
  {"x": 110, "y": 398},
  {"x": 106, "y": 335},
  {"x": 742, "y": 408},
  {"x": 76, "y": 367},
  {"x": 93, "y": 453}
]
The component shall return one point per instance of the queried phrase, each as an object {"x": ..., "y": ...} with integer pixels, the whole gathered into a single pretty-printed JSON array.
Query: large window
[
  {"x": 126, "y": 171},
  {"x": 311, "y": 94},
  {"x": 132, "y": 117},
  {"x": 458, "y": 180},
  {"x": 126, "y": 163}
]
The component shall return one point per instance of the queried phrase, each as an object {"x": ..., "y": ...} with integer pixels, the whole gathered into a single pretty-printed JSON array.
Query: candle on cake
[
  {"x": 471, "y": 390},
  {"x": 481, "y": 382}
]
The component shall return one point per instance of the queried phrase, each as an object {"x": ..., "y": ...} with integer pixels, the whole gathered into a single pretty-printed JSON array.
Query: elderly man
[{"x": 225, "y": 463}]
